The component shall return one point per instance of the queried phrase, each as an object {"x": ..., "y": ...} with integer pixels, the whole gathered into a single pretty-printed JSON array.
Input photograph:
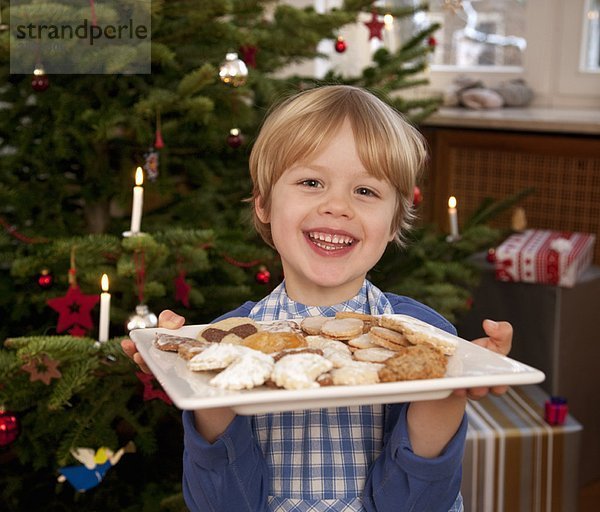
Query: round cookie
[
  {"x": 368, "y": 320},
  {"x": 311, "y": 325},
  {"x": 387, "y": 338},
  {"x": 269, "y": 342},
  {"x": 419, "y": 332},
  {"x": 374, "y": 355},
  {"x": 343, "y": 328}
]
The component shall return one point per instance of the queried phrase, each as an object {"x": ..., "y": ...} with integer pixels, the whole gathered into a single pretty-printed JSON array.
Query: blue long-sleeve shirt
[{"x": 233, "y": 473}]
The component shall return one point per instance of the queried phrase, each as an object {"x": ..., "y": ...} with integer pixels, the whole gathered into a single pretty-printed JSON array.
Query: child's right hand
[{"x": 167, "y": 319}]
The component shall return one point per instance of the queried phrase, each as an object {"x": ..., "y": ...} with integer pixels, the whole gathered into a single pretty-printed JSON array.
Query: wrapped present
[
  {"x": 544, "y": 256},
  {"x": 515, "y": 461}
]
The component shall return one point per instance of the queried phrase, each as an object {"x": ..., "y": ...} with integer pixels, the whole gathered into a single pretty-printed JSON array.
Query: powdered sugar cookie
[
  {"x": 342, "y": 329},
  {"x": 363, "y": 341},
  {"x": 169, "y": 342},
  {"x": 374, "y": 355},
  {"x": 217, "y": 356},
  {"x": 250, "y": 370},
  {"x": 335, "y": 351},
  {"x": 187, "y": 350},
  {"x": 356, "y": 373},
  {"x": 299, "y": 371},
  {"x": 280, "y": 326}
]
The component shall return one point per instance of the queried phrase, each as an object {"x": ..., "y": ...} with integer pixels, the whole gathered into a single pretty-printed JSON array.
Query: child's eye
[
  {"x": 310, "y": 183},
  {"x": 364, "y": 191}
]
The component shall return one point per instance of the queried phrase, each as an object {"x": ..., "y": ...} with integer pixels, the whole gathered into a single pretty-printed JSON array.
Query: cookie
[
  {"x": 419, "y": 332},
  {"x": 280, "y": 326},
  {"x": 187, "y": 350},
  {"x": 299, "y": 371},
  {"x": 387, "y": 338},
  {"x": 356, "y": 373},
  {"x": 231, "y": 330},
  {"x": 414, "y": 363},
  {"x": 216, "y": 357},
  {"x": 311, "y": 325},
  {"x": 250, "y": 370},
  {"x": 291, "y": 351},
  {"x": 342, "y": 329},
  {"x": 374, "y": 355},
  {"x": 169, "y": 342},
  {"x": 335, "y": 351},
  {"x": 363, "y": 341},
  {"x": 368, "y": 320},
  {"x": 269, "y": 342}
]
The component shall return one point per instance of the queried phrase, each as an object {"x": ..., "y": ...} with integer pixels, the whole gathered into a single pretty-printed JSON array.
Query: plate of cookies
[{"x": 315, "y": 362}]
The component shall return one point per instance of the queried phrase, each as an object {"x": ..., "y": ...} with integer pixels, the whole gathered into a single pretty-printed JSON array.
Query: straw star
[{"x": 44, "y": 369}]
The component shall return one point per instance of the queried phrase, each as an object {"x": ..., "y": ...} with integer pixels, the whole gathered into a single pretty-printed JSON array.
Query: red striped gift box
[
  {"x": 543, "y": 256},
  {"x": 516, "y": 462}
]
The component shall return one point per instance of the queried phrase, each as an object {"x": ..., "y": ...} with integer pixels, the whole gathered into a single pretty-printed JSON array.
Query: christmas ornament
[
  {"x": 182, "y": 289},
  {"x": 151, "y": 392},
  {"x": 263, "y": 276},
  {"x": 234, "y": 139},
  {"x": 158, "y": 140},
  {"x": 518, "y": 221},
  {"x": 74, "y": 308},
  {"x": 45, "y": 279},
  {"x": 233, "y": 71},
  {"x": 375, "y": 27},
  {"x": 248, "y": 52},
  {"x": 142, "y": 318},
  {"x": 491, "y": 255},
  {"x": 417, "y": 196},
  {"x": 431, "y": 41},
  {"x": 340, "y": 44},
  {"x": 40, "y": 81},
  {"x": 42, "y": 368},
  {"x": 95, "y": 465},
  {"x": 9, "y": 427},
  {"x": 151, "y": 165}
]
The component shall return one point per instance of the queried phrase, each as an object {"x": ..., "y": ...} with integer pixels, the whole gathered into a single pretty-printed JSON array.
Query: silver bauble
[
  {"x": 142, "y": 318},
  {"x": 234, "y": 70}
]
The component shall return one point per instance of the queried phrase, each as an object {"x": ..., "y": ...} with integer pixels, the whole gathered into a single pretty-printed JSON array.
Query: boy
[{"x": 333, "y": 170}]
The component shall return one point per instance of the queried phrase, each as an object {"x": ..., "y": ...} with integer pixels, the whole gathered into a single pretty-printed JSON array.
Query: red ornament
[
  {"x": 74, "y": 308},
  {"x": 182, "y": 289},
  {"x": 340, "y": 45},
  {"x": 45, "y": 279},
  {"x": 375, "y": 27},
  {"x": 431, "y": 41},
  {"x": 417, "y": 196},
  {"x": 248, "y": 52},
  {"x": 150, "y": 392},
  {"x": 158, "y": 141},
  {"x": 234, "y": 139},
  {"x": 40, "y": 81},
  {"x": 9, "y": 427},
  {"x": 263, "y": 276},
  {"x": 42, "y": 368},
  {"x": 491, "y": 255}
]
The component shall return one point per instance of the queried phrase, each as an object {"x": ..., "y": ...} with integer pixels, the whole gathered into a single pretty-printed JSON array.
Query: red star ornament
[
  {"x": 150, "y": 392},
  {"x": 74, "y": 308},
  {"x": 44, "y": 369},
  {"x": 375, "y": 27},
  {"x": 182, "y": 290}
]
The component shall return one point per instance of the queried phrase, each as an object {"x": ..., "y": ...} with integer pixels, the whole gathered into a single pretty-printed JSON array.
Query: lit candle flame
[
  {"x": 139, "y": 177},
  {"x": 104, "y": 283},
  {"x": 452, "y": 202}
]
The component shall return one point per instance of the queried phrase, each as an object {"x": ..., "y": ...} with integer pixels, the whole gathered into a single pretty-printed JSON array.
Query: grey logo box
[{"x": 80, "y": 36}]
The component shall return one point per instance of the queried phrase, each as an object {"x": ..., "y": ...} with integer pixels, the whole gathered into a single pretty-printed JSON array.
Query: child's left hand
[{"x": 499, "y": 340}]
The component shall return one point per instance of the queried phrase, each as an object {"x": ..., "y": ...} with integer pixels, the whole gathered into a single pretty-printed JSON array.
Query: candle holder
[
  {"x": 453, "y": 238},
  {"x": 128, "y": 234}
]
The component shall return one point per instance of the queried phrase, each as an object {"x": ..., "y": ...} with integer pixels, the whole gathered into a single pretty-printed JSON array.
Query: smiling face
[{"x": 330, "y": 221}]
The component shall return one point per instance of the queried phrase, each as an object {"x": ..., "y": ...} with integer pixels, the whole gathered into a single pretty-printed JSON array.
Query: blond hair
[{"x": 388, "y": 146}]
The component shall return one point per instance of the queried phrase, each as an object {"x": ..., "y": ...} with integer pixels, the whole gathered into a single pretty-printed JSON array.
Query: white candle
[
  {"x": 104, "y": 310},
  {"x": 138, "y": 201},
  {"x": 452, "y": 215}
]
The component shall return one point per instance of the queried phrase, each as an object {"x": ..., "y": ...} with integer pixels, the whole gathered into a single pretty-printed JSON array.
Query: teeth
[{"x": 329, "y": 242}]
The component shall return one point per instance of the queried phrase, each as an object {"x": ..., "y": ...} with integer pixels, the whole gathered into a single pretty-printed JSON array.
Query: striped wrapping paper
[
  {"x": 543, "y": 256},
  {"x": 514, "y": 461}
]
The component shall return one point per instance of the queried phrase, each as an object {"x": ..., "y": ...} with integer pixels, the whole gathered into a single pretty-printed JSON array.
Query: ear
[{"x": 262, "y": 214}]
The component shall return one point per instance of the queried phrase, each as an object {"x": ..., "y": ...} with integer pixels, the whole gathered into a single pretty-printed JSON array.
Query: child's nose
[{"x": 336, "y": 204}]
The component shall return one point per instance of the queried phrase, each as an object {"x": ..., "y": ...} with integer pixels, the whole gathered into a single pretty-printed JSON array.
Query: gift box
[
  {"x": 544, "y": 256},
  {"x": 515, "y": 461}
]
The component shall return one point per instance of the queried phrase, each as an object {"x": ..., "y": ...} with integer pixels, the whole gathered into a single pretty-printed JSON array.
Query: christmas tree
[{"x": 69, "y": 145}]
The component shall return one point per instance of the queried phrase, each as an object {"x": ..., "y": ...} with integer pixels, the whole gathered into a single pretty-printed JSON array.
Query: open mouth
[{"x": 329, "y": 242}]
